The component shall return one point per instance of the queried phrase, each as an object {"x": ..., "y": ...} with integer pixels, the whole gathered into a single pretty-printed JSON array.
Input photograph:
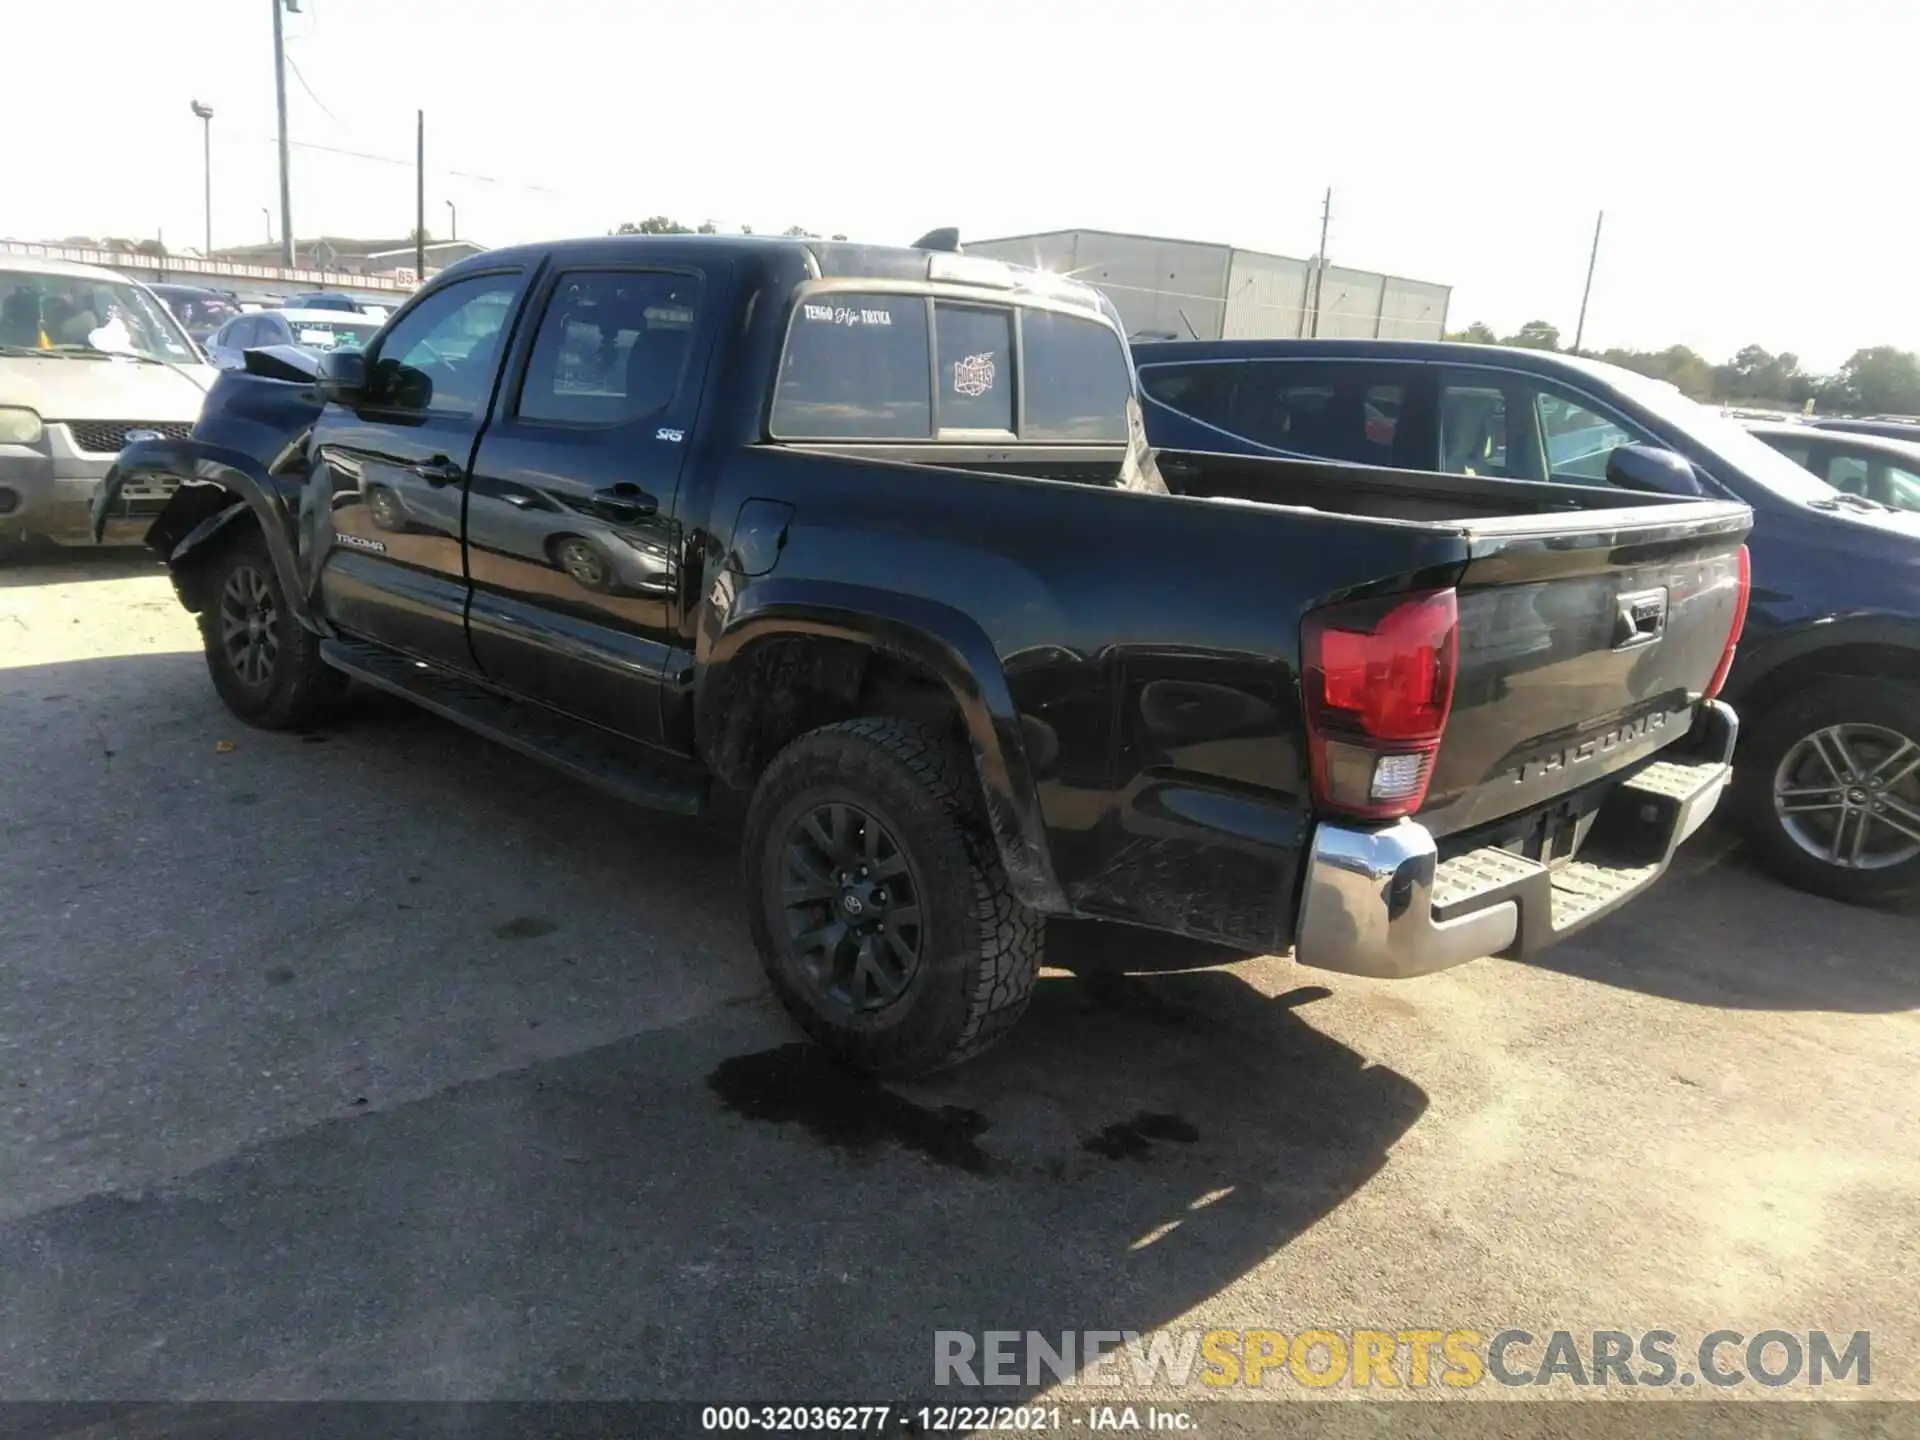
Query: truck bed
[{"x": 1376, "y": 493}]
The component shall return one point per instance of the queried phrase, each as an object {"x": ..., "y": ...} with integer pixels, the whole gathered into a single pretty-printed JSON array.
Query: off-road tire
[
  {"x": 980, "y": 948},
  {"x": 1765, "y": 743},
  {"x": 298, "y": 690}
]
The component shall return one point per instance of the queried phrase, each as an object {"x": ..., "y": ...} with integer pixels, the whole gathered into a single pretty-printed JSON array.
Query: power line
[
  {"x": 315, "y": 98},
  {"x": 409, "y": 164}
]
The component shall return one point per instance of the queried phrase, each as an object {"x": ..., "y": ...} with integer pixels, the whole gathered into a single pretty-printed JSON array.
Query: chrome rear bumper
[{"x": 1382, "y": 902}]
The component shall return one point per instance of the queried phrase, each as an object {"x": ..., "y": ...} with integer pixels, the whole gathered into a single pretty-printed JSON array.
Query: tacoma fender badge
[{"x": 359, "y": 542}]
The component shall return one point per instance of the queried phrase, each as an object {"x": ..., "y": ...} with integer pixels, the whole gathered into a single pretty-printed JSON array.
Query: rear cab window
[
  {"x": 856, "y": 368},
  {"x": 893, "y": 367},
  {"x": 1078, "y": 386}
]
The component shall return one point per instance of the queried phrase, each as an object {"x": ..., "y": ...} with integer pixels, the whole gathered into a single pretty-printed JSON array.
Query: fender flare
[
  {"x": 1752, "y": 668},
  {"x": 193, "y": 465},
  {"x": 955, "y": 649}
]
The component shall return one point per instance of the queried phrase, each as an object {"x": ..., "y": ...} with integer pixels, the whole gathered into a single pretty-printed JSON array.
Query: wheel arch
[
  {"x": 834, "y": 651},
  {"x": 217, "y": 489},
  {"x": 1864, "y": 647}
]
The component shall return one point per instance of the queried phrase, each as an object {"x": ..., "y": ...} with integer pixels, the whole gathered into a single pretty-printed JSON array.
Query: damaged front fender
[{"x": 216, "y": 489}]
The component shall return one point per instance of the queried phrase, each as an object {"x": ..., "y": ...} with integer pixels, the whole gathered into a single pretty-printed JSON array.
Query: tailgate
[{"x": 1586, "y": 642}]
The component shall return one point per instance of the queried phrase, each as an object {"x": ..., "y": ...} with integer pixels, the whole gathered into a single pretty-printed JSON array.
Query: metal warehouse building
[{"x": 1177, "y": 289}]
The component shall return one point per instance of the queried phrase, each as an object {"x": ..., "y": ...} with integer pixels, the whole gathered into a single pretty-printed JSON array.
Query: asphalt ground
[{"x": 383, "y": 1063}]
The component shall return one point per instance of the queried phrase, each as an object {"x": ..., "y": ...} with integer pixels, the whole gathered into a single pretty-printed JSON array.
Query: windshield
[
  {"x": 202, "y": 312},
  {"x": 1725, "y": 438},
  {"x": 332, "y": 334},
  {"x": 48, "y": 312}
]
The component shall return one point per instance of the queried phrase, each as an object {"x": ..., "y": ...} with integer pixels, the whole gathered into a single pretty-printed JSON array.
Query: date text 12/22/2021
[{"x": 939, "y": 1419}]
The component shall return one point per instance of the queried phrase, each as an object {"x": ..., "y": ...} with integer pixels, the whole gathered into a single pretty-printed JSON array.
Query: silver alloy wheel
[
  {"x": 249, "y": 626},
  {"x": 584, "y": 564},
  {"x": 1849, "y": 795}
]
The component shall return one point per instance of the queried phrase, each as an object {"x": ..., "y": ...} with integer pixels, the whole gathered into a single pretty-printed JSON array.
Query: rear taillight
[
  {"x": 1377, "y": 679},
  {"x": 1715, "y": 685}
]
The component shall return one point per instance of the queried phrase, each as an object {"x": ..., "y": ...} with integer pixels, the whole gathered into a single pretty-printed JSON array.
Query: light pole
[
  {"x": 453, "y": 222},
  {"x": 269, "y": 214},
  {"x": 205, "y": 112},
  {"x": 1593, "y": 258},
  {"x": 280, "y": 100}
]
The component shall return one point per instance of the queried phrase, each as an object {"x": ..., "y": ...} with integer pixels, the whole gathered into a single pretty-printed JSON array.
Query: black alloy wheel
[
  {"x": 877, "y": 899},
  {"x": 263, "y": 661},
  {"x": 250, "y": 626},
  {"x": 851, "y": 906}
]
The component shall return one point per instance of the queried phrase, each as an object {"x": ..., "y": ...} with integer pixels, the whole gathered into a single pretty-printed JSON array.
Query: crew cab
[
  {"x": 874, "y": 534},
  {"x": 1828, "y": 678}
]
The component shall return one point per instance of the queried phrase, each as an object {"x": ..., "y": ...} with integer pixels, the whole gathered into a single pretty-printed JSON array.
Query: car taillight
[
  {"x": 1720, "y": 673},
  {"x": 1377, "y": 680}
]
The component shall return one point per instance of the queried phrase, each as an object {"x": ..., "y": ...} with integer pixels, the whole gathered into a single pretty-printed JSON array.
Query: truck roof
[{"x": 826, "y": 259}]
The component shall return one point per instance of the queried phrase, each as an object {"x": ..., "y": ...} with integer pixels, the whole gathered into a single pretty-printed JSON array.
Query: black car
[
  {"x": 1893, "y": 427},
  {"x": 875, "y": 536},
  {"x": 199, "y": 310},
  {"x": 1864, "y": 464},
  {"x": 1828, "y": 677}
]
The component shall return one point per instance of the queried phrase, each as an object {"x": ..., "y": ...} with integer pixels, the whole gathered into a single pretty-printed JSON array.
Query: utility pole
[
  {"x": 420, "y": 197},
  {"x": 280, "y": 100},
  {"x": 205, "y": 112},
  {"x": 1580, "y": 330},
  {"x": 1320, "y": 264}
]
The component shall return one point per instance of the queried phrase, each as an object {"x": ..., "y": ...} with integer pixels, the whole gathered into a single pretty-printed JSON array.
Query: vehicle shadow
[
  {"x": 613, "y": 1223},
  {"x": 707, "y": 1199},
  {"x": 1718, "y": 930},
  {"x": 44, "y": 563}
]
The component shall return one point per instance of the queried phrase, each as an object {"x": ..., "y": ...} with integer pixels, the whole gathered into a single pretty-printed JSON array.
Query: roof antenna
[
  {"x": 1191, "y": 332},
  {"x": 947, "y": 237}
]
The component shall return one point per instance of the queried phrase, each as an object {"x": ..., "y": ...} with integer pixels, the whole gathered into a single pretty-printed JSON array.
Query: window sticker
[
  {"x": 850, "y": 316},
  {"x": 973, "y": 375}
]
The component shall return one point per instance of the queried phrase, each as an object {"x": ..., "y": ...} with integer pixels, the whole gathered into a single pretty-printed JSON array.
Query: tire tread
[{"x": 999, "y": 981}]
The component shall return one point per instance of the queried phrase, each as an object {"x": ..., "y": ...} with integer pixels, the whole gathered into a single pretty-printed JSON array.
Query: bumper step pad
[{"x": 1644, "y": 819}]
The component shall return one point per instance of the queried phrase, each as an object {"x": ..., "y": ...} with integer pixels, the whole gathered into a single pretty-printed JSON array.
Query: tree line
[
  {"x": 1879, "y": 380},
  {"x": 666, "y": 225}
]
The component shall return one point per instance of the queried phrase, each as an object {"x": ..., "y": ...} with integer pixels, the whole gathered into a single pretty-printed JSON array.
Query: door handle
[
  {"x": 439, "y": 471},
  {"x": 625, "y": 501}
]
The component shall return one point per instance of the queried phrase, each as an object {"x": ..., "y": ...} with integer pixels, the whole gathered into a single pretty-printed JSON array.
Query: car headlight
[{"x": 20, "y": 426}]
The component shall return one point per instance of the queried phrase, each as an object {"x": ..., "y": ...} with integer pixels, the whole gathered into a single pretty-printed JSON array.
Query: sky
[{"x": 1755, "y": 160}]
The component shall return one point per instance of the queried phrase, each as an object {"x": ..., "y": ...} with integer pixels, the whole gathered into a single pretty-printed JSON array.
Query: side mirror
[
  {"x": 1649, "y": 467},
  {"x": 342, "y": 377}
]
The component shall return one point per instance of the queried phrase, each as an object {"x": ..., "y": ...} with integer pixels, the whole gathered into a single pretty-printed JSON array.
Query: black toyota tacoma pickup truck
[{"x": 874, "y": 534}]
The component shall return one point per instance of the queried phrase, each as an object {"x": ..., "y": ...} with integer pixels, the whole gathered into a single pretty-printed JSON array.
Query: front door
[
  {"x": 571, "y": 541},
  {"x": 397, "y": 463}
]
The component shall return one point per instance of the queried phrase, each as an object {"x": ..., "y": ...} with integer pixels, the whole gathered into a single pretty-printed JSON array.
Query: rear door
[
  {"x": 1364, "y": 412},
  {"x": 394, "y": 570},
  {"x": 1357, "y": 411},
  {"x": 572, "y": 544}
]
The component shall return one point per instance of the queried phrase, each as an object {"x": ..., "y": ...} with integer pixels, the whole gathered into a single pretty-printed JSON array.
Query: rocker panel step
[{"x": 620, "y": 767}]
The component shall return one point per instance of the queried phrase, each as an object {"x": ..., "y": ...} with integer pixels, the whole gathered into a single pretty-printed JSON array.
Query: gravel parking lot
[{"x": 386, "y": 1063}]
